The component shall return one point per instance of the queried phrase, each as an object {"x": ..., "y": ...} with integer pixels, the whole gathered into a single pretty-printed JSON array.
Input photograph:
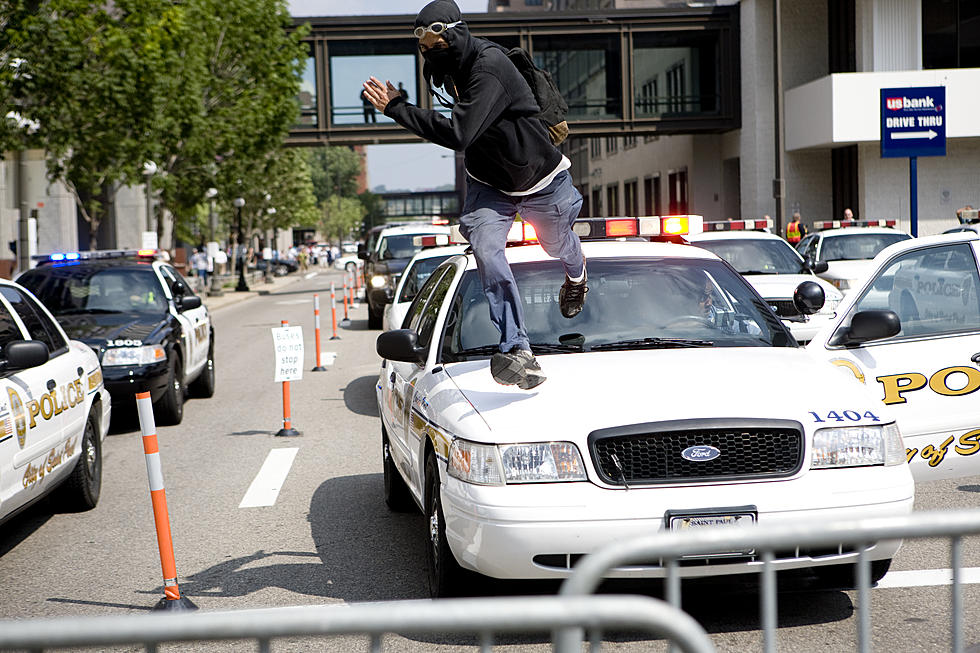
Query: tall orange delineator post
[
  {"x": 346, "y": 319},
  {"x": 352, "y": 278},
  {"x": 287, "y": 429},
  {"x": 172, "y": 600},
  {"x": 333, "y": 311},
  {"x": 316, "y": 318}
]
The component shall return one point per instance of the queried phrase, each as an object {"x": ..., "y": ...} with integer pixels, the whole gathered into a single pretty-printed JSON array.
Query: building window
[
  {"x": 629, "y": 141},
  {"x": 647, "y": 106},
  {"x": 532, "y": 3},
  {"x": 950, "y": 34},
  {"x": 630, "y": 198},
  {"x": 612, "y": 144},
  {"x": 595, "y": 148},
  {"x": 676, "y": 88},
  {"x": 583, "y": 190},
  {"x": 677, "y": 182},
  {"x": 597, "y": 202},
  {"x": 612, "y": 199}
]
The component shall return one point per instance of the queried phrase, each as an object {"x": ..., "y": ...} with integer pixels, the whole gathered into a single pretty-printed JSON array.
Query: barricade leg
[
  {"x": 287, "y": 429},
  {"x": 172, "y": 600},
  {"x": 333, "y": 312},
  {"x": 316, "y": 317}
]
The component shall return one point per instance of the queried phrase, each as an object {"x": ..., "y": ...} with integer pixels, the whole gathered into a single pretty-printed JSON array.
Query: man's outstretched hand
[{"x": 378, "y": 95}]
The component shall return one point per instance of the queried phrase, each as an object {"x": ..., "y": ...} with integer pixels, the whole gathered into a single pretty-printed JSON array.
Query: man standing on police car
[{"x": 512, "y": 167}]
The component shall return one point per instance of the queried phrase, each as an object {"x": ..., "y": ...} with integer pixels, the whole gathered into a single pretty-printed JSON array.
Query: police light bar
[
  {"x": 70, "y": 257},
  {"x": 433, "y": 240},
  {"x": 643, "y": 227},
  {"x": 440, "y": 221},
  {"x": 519, "y": 233},
  {"x": 837, "y": 224},
  {"x": 738, "y": 225}
]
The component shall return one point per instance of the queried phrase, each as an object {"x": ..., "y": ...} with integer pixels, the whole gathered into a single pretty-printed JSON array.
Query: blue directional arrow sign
[{"x": 913, "y": 121}]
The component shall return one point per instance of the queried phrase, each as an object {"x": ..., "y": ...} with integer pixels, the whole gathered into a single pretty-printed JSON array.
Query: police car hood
[
  {"x": 590, "y": 391},
  {"x": 858, "y": 269},
  {"x": 95, "y": 328},
  {"x": 781, "y": 286}
]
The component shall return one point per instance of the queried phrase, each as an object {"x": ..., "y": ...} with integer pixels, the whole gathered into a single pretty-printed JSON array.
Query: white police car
[
  {"x": 416, "y": 272},
  {"x": 911, "y": 334},
  {"x": 848, "y": 247},
  {"x": 773, "y": 268},
  {"x": 54, "y": 409},
  {"x": 675, "y": 399}
]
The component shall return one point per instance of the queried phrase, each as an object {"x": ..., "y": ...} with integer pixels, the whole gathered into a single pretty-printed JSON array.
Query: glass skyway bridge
[{"x": 622, "y": 72}]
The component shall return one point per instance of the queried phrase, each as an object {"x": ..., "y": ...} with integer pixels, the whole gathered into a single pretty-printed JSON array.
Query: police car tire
[
  {"x": 170, "y": 407},
  {"x": 845, "y": 576},
  {"x": 397, "y": 496},
  {"x": 83, "y": 486},
  {"x": 446, "y": 577},
  {"x": 203, "y": 385}
]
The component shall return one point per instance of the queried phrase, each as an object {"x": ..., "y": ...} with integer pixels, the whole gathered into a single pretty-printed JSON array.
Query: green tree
[
  {"x": 92, "y": 77},
  {"x": 335, "y": 171},
  {"x": 342, "y": 216}
]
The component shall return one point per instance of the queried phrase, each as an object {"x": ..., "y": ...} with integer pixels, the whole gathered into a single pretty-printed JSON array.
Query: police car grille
[
  {"x": 656, "y": 457},
  {"x": 784, "y": 307}
]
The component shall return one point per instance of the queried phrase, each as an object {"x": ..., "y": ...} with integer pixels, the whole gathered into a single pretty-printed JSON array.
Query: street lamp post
[
  {"x": 149, "y": 169},
  {"x": 242, "y": 286},
  {"x": 268, "y": 263},
  {"x": 211, "y": 194}
]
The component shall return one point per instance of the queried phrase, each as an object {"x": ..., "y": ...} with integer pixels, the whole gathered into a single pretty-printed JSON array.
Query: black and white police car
[
  {"x": 676, "y": 399},
  {"x": 149, "y": 329},
  {"x": 848, "y": 246},
  {"x": 54, "y": 410}
]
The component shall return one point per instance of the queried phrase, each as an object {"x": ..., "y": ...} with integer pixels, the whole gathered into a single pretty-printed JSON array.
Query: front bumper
[
  {"x": 491, "y": 533},
  {"x": 124, "y": 381},
  {"x": 379, "y": 297}
]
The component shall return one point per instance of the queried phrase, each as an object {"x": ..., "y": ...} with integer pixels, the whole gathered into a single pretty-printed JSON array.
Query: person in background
[
  {"x": 848, "y": 214},
  {"x": 403, "y": 91},
  {"x": 795, "y": 230},
  {"x": 199, "y": 261},
  {"x": 368, "y": 109}
]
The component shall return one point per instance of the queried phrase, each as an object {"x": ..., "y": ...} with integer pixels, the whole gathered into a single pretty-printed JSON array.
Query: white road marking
[
  {"x": 294, "y": 301},
  {"x": 311, "y": 275},
  {"x": 264, "y": 489},
  {"x": 928, "y": 578}
]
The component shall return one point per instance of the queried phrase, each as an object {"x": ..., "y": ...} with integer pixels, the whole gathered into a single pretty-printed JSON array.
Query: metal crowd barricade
[
  {"x": 480, "y": 616},
  {"x": 669, "y": 547}
]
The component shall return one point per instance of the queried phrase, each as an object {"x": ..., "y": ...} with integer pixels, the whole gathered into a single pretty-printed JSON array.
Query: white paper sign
[
  {"x": 289, "y": 353},
  {"x": 148, "y": 240}
]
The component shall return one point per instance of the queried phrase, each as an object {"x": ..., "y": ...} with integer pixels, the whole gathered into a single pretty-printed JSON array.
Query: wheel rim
[
  {"x": 434, "y": 532},
  {"x": 91, "y": 455}
]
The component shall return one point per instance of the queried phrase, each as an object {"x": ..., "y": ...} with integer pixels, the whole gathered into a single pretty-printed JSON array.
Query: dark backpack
[{"x": 546, "y": 93}]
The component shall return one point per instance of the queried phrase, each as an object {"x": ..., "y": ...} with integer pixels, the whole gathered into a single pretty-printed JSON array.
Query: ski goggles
[{"x": 435, "y": 28}]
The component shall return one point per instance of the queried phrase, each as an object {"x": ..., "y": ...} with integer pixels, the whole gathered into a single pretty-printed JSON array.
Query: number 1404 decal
[{"x": 844, "y": 416}]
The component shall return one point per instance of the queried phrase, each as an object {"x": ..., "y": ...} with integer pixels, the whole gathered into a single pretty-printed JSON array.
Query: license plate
[{"x": 689, "y": 521}]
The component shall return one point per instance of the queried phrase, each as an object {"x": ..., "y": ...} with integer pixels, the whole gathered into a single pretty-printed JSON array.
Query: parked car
[{"x": 848, "y": 250}]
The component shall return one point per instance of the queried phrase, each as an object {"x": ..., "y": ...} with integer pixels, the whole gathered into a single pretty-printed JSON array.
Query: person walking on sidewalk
[{"x": 512, "y": 168}]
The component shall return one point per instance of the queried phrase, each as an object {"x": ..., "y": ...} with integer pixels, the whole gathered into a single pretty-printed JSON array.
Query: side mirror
[
  {"x": 401, "y": 345},
  {"x": 362, "y": 251},
  {"x": 820, "y": 267},
  {"x": 25, "y": 354},
  {"x": 867, "y": 326},
  {"x": 808, "y": 297},
  {"x": 187, "y": 303}
]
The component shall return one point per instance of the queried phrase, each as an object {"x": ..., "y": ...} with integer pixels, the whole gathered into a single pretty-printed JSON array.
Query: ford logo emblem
[{"x": 700, "y": 452}]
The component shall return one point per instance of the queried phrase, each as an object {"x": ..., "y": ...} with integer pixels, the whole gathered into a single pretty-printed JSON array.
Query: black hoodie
[{"x": 492, "y": 120}]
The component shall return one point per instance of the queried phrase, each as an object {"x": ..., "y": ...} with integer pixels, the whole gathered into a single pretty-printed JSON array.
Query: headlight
[
  {"x": 844, "y": 284},
  {"x": 830, "y": 306},
  {"x": 134, "y": 355},
  {"x": 378, "y": 281},
  {"x": 539, "y": 462},
  {"x": 855, "y": 446}
]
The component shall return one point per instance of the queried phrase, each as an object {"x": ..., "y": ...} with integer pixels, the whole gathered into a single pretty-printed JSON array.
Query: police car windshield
[
  {"x": 399, "y": 246},
  {"x": 756, "y": 256},
  {"x": 631, "y": 304},
  {"x": 76, "y": 289},
  {"x": 417, "y": 276},
  {"x": 857, "y": 247}
]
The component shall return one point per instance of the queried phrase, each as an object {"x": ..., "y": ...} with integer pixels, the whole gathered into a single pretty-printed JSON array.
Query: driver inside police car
[{"x": 512, "y": 167}]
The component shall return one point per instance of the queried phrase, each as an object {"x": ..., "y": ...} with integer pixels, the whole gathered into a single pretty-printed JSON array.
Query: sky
[{"x": 416, "y": 166}]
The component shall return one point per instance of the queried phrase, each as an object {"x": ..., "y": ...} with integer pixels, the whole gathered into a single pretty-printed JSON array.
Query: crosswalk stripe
[
  {"x": 928, "y": 578},
  {"x": 264, "y": 489}
]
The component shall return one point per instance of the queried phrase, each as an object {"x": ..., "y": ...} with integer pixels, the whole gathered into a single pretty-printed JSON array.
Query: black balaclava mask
[{"x": 442, "y": 63}]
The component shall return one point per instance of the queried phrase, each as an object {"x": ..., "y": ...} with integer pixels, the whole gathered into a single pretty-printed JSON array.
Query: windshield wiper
[
  {"x": 652, "y": 343},
  {"x": 758, "y": 272},
  {"x": 74, "y": 311},
  {"x": 554, "y": 348}
]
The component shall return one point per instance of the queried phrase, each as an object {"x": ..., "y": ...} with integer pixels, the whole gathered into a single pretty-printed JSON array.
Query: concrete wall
[
  {"x": 945, "y": 184},
  {"x": 756, "y": 143}
]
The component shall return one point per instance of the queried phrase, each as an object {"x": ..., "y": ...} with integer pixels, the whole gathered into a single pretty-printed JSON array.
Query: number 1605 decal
[{"x": 844, "y": 416}]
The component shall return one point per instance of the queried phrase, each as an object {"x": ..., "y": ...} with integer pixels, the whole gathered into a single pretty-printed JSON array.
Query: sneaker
[
  {"x": 516, "y": 367},
  {"x": 571, "y": 297}
]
